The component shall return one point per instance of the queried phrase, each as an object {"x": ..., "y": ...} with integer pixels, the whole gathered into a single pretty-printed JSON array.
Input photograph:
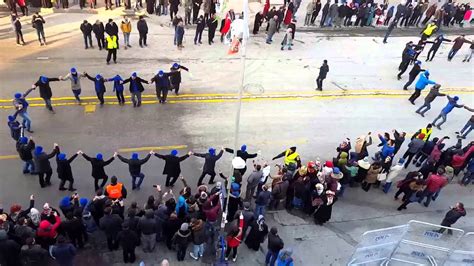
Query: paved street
[{"x": 281, "y": 109}]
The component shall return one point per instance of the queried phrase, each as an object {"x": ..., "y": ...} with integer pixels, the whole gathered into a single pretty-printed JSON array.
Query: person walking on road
[
  {"x": 390, "y": 28},
  {"x": 408, "y": 55},
  {"x": 434, "y": 48},
  {"x": 45, "y": 90},
  {"x": 15, "y": 128},
  {"x": 272, "y": 28},
  {"x": 162, "y": 85},
  {"x": 452, "y": 103},
  {"x": 25, "y": 147},
  {"x": 242, "y": 153},
  {"x": 275, "y": 244},
  {"x": 126, "y": 27},
  {"x": 252, "y": 182},
  {"x": 19, "y": 34},
  {"x": 64, "y": 170},
  {"x": 98, "y": 29},
  {"x": 287, "y": 40},
  {"x": 413, "y": 74},
  {"x": 434, "y": 92},
  {"x": 134, "y": 166},
  {"x": 98, "y": 171},
  {"x": 111, "y": 46},
  {"x": 37, "y": 21},
  {"x": 136, "y": 88},
  {"x": 423, "y": 81},
  {"x": 172, "y": 168},
  {"x": 21, "y": 107},
  {"x": 429, "y": 30},
  {"x": 323, "y": 71},
  {"x": 458, "y": 43},
  {"x": 210, "y": 160},
  {"x": 175, "y": 76},
  {"x": 118, "y": 88},
  {"x": 211, "y": 28},
  {"x": 142, "y": 28},
  {"x": 200, "y": 25},
  {"x": 86, "y": 29},
  {"x": 452, "y": 216},
  {"x": 468, "y": 126},
  {"x": 43, "y": 166},
  {"x": 75, "y": 79},
  {"x": 468, "y": 56},
  {"x": 99, "y": 86}
]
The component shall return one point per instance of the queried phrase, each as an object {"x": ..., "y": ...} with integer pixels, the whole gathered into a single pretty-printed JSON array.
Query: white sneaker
[
  {"x": 234, "y": 259},
  {"x": 226, "y": 259},
  {"x": 192, "y": 256}
]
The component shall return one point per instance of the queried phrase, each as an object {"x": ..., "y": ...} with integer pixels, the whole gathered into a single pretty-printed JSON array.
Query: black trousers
[
  {"x": 63, "y": 182},
  {"x": 170, "y": 180},
  {"x": 96, "y": 182},
  {"x": 142, "y": 39},
  {"x": 198, "y": 36},
  {"x": 314, "y": 15},
  {"x": 411, "y": 78},
  {"x": 161, "y": 94},
  {"x": 120, "y": 97},
  {"x": 195, "y": 12},
  {"x": 19, "y": 36},
  {"x": 45, "y": 178},
  {"x": 88, "y": 38},
  {"x": 212, "y": 174},
  {"x": 403, "y": 67},
  {"x": 425, "y": 20},
  {"x": 415, "y": 95},
  {"x": 175, "y": 87},
  {"x": 100, "y": 41},
  {"x": 432, "y": 53},
  {"x": 319, "y": 82},
  {"x": 112, "y": 52},
  {"x": 234, "y": 252},
  {"x": 210, "y": 35},
  {"x": 410, "y": 156},
  {"x": 112, "y": 243},
  {"x": 323, "y": 18},
  {"x": 129, "y": 255},
  {"x": 100, "y": 96},
  {"x": 181, "y": 253}
]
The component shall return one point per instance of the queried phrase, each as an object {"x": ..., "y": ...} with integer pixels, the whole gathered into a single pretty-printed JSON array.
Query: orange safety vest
[{"x": 114, "y": 191}]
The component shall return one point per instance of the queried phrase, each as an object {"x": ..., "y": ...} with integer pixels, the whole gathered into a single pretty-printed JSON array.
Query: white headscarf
[{"x": 35, "y": 216}]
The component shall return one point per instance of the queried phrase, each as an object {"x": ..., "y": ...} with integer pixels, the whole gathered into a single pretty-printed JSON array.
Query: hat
[
  {"x": 134, "y": 74},
  {"x": 421, "y": 136},
  {"x": 401, "y": 161},
  {"x": 44, "y": 224},
  {"x": 329, "y": 164},
  {"x": 118, "y": 77},
  {"x": 418, "y": 62},
  {"x": 212, "y": 151},
  {"x": 203, "y": 195},
  {"x": 427, "y": 73},
  {"x": 135, "y": 156},
  {"x": 175, "y": 65},
  {"x": 455, "y": 98},
  {"x": 319, "y": 185},
  {"x": 99, "y": 156},
  {"x": 43, "y": 79},
  {"x": 184, "y": 227},
  {"x": 336, "y": 173},
  {"x": 330, "y": 192},
  {"x": 234, "y": 186},
  {"x": 65, "y": 201},
  {"x": 160, "y": 73},
  {"x": 73, "y": 70},
  {"x": 23, "y": 140},
  {"x": 17, "y": 95},
  {"x": 11, "y": 118},
  {"x": 364, "y": 163},
  {"x": 98, "y": 76},
  {"x": 174, "y": 152},
  {"x": 83, "y": 202},
  {"x": 238, "y": 163},
  {"x": 62, "y": 156},
  {"x": 302, "y": 171},
  {"x": 243, "y": 147},
  {"x": 15, "y": 208},
  {"x": 38, "y": 150},
  {"x": 311, "y": 164}
]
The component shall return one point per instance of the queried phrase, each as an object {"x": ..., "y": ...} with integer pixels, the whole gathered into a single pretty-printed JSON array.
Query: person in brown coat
[
  {"x": 429, "y": 13},
  {"x": 371, "y": 177}
]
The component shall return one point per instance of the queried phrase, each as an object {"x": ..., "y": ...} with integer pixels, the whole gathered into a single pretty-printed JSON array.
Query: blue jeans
[
  {"x": 269, "y": 37},
  {"x": 271, "y": 258},
  {"x": 26, "y": 119},
  {"x": 259, "y": 210},
  {"x": 468, "y": 177},
  {"x": 443, "y": 117},
  {"x": 47, "y": 102},
  {"x": 29, "y": 167},
  {"x": 426, "y": 106},
  {"x": 76, "y": 94},
  {"x": 386, "y": 187},
  {"x": 452, "y": 53},
  {"x": 140, "y": 180},
  {"x": 198, "y": 250},
  {"x": 126, "y": 38},
  {"x": 467, "y": 128}
]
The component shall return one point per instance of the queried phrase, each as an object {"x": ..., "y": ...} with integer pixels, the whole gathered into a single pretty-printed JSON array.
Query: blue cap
[
  {"x": 336, "y": 171},
  {"x": 43, "y": 79},
  {"x": 134, "y": 74},
  {"x": 134, "y": 155},
  {"x": 62, "y": 156},
  {"x": 243, "y": 147},
  {"x": 65, "y": 201},
  {"x": 99, "y": 156},
  {"x": 118, "y": 77},
  {"x": 160, "y": 73},
  {"x": 23, "y": 140},
  {"x": 456, "y": 98},
  {"x": 83, "y": 202},
  {"x": 11, "y": 118},
  {"x": 38, "y": 150},
  {"x": 174, "y": 152},
  {"x": 418, "y": 62},
  {"x": 98, "y": 76},
  {"x": 427, "y": 73},
  {"x": 18, "y": 95},
  {"x": 212, "y": 151},
  {"x": 175, "y": 65},
  {"x": 73, "y": 70}
]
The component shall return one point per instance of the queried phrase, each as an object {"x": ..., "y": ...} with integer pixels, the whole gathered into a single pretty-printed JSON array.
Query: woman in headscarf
[
  {"x": 316, "y": 199},
  {"x": 371, "y": 177},
  {"x": 323, "y": 213},
  {"x": 257, "y": 234},
  {"x": 258, "y": 22},
  {"x": 34, "y": 218},
  {"x": 364, "y": 166}
]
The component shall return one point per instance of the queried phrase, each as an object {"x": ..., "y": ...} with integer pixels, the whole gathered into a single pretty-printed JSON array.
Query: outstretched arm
[
  {"x": 144, "y": 160},
  {"x": 279, "y": 156},
  {"x": 109, "y": 161},
  {"x": 72, "y": 158},
  {"x": 28, "y": 92},
  {"x": 160, "y": 156},
  {"x": 121, "y": 158}
]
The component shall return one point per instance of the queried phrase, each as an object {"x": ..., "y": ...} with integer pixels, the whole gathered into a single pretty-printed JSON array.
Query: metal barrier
[{"x": 416, "y": 243}]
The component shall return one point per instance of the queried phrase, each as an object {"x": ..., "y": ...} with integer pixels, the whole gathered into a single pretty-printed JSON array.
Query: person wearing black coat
[
  {"x": 74, "y": 229},
  {"x": 323, "y": 71},
  {"x": 170, "y": 227},
  {"x": 209, "y": 164},
  {"x": 15, "y": 128},
  {"x": 98, "y": 165},
  {"x": 64, "y": 170},
  {"x": 257, "y": 23},
  {"x": 128, "y": 240},
  {"x": 452, "y": 216},
  {"x": 172, "y": 166},
  {"x": 18, "y": 32},
  {"x": 211, "y": 26},
  {"x": 98, "y": 29},
  {"x": 413, "y": 74},
  {"x": 275, "y": 244},
  {"x": 45, "y": 90},
  {"x": 325, "y": 13},
  {"x": 9, "y": 251},
  {"x": 42, "y": 165},
  {"x": 136, "y": 88},
  {"x": 196, "y": 6},
  {"x": 257, "y": 234},
  {"x": 32, "y": 254},
  {"x": 134, "y": 166},
  {"x": 175, "y": 76},
  {"x": 86, "y": 29},
  {"x": 242, "y": 153},
  {"x": 162, "y": 85},
  {"x": 315, "y": 12},
  {"x": 111, "y": 29},
  {"x": 200, "y": 25},
  {"x": 142, "y": 28},
  {"x": 111, "y": 224}
]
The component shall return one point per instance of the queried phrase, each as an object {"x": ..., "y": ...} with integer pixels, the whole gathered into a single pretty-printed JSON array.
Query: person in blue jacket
[
  {"x": 162, "y": 85},
  {"x": 118, "y": 88},
  {"x": 99, "y": 85},
  {"x": 423, "y": 81},
  {"x": 15, "y": 128},
  {"x": 136, "y": 88},
  {"x": 452, "y": 103},
  {"x": 21, "y": 106},
  {"x": 388, "y": 149}
]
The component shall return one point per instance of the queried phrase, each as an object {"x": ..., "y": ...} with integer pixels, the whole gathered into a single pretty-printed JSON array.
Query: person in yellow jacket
[
  {"x": 429, "y": 30},
  {"x": 115, "y": 190},
  {"x": 291, "y": 157},
  {"x": 126, "y": 27},
  {"x": 111, "y": 46},
  {"x": 425, "y": 131}
]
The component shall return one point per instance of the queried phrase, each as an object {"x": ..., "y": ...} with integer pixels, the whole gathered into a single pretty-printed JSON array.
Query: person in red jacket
[
  {"x": 434, "y": 183},
  {"x": 46, "y": 232},
  {"x": 211, "y": 208},
  {"x": 459, "y": 159},
  {"x": 233, "y": 239}
]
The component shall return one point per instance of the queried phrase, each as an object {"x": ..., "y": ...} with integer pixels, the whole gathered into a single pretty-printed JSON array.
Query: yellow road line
[
  {"x": 8, "y": 157},
  {"x": 158, "y": 148}
]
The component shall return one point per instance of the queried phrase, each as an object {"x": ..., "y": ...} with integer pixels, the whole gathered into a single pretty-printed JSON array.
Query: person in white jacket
[{"x": 394, "y": 172}]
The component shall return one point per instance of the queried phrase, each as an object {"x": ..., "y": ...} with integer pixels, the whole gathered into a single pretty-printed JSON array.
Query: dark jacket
[
  {"x": 42, "y": 164},
  {"x": 15, "y": 129},
  {"x": 415, "y": 70},
  {"x": 275, "y": 243},
  {"x": 64, "y": 167},
  {"x": 135, "y": 84},
  {"x": 9, "y": 251},
  {"x": 161, "y": 82},
  {"x": 86, "y": 28},
  {"x": 323, "y": 71},
  {"x": 134, "y": 165},
  {"x": 172, "y": 164},
  {"x": 453, "y": 215},
  {"x": 111, "y": 224},
  {"x": 99, "y": 84},
  {"x": 280, "y": 189},
  {"x": 74, "y": 228},
  {"x": 111, "y": 29},
  {"x": 434, "y": 92},
  {"x": 128, "y": 239},
  {"x": 242, "y": 154},
  {"x": 142, "y": 26},
  {"x": 210, "y": 161},
  {"x": 64, "y": 254},
  {"x": 263, "y": 198},
  {"x": 34, "y": 255},
  {"x": 44, "y": 88},
  {"x": 98, "y": 166},
  {"x": 98, "y": 29},
  {"x": 25, "y": 150},
  {"x": 175, "y": 74},
  {"x": 147, "y": 225},
  {"x": 182, "y": 238},
  {"x": 37, "y": 22},
  {"x": 17, "y": 25},
  {"x": 199, "y": 233},
  {"x": 200, "y": 24}
]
